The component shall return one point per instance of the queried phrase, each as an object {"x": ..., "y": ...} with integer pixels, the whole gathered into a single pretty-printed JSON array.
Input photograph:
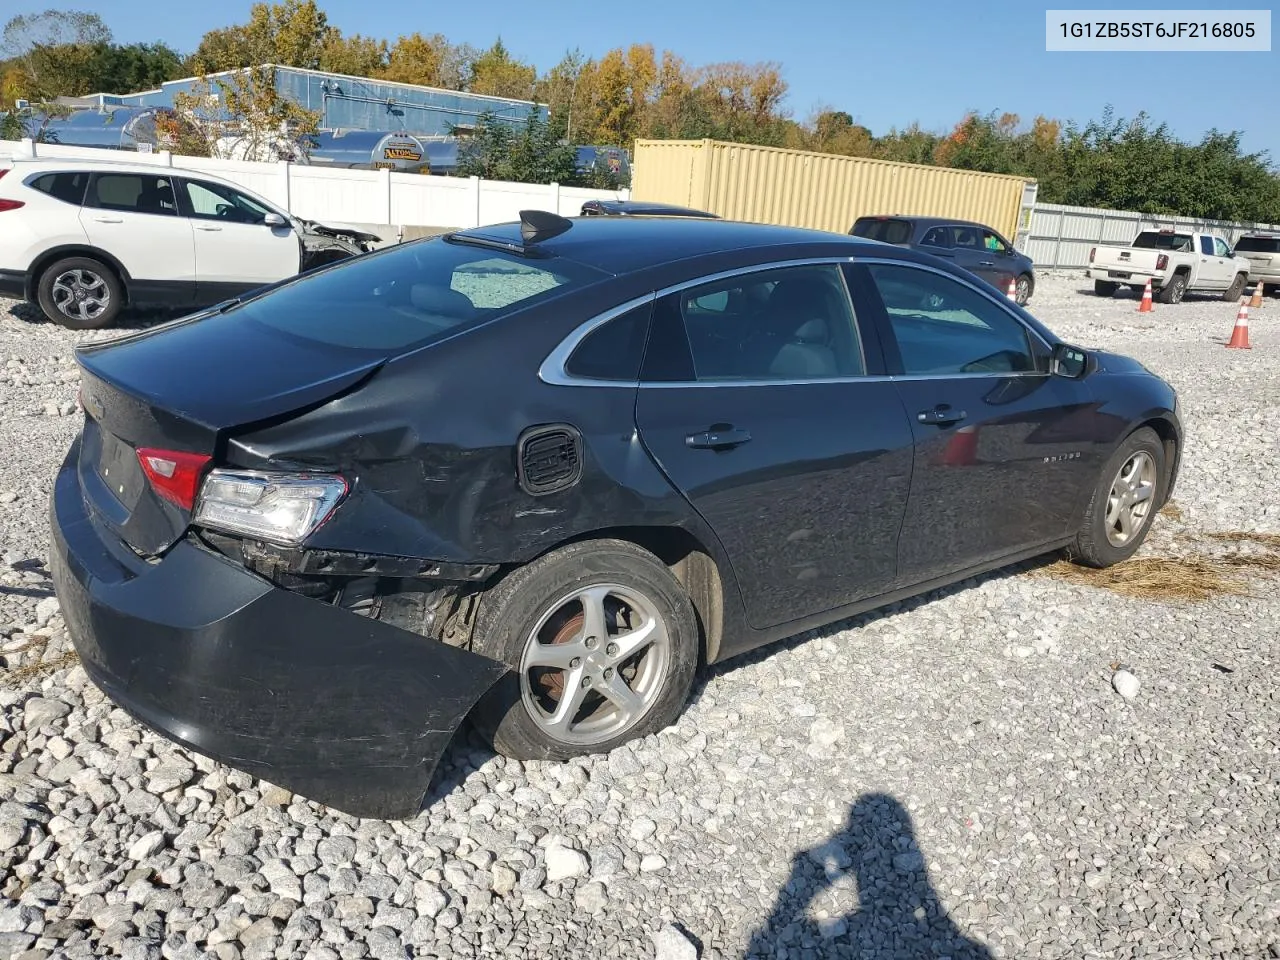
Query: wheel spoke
[
  {"x": 594, "y": 623},
  {"x": 616, "y": 690},
  {"x": 1113, "y": 510},
  {"x": 561, "y": 719},
  {"x": 558, "y": 656},
  {"x": 1126, "y": 522},
  {"x": 1143, "y": 491},
  {"x": 628, "y": 643}
]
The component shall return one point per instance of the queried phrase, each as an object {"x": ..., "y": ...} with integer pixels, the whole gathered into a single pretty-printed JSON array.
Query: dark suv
[{"x": 971, "y": 246}]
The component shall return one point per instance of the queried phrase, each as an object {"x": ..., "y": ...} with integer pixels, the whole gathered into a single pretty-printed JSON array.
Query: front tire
[
  {"x": 603, "y": 644},
  {"x": 1236, "y": 289},
  {"x": 1124, "y": 502},
  {"x": 80, "y": 293}
]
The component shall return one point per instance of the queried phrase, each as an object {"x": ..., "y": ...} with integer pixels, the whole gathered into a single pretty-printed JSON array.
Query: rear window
[
  {"x": 1155, "y": 240},
  {"x": 67, "y": 187},
  {"x": 886, "y": 231},
  {"x": 411, "y": 295},
  {"x": 1258, "y": 245}
]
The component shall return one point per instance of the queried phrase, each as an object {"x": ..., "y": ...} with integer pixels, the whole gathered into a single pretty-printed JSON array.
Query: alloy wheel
[
  {"x": 595, "y": 664},
  {"x": 81, "y": 294},
  {"x": 1129, "y": 502}
]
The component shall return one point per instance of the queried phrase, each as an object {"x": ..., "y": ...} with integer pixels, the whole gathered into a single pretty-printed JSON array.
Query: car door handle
[
  {"x": 940, "y": 415},
  {"x": 210, "y": 229},
  {"x": 717, "y": 439},
  {"x": 986, "y": 263},
  {"x": 109, "y": 219}
]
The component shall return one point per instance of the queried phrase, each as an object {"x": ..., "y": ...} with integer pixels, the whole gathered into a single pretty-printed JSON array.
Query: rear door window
[
  {"x": 410, "y": 295},
  {"x": 68, "y": 187},
  {"x": 937, "y": 237},
  {"x": 132, "y": 193}
]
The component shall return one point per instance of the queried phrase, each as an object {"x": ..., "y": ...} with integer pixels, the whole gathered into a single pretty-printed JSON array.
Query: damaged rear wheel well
[{"x": 690, "y": 564}]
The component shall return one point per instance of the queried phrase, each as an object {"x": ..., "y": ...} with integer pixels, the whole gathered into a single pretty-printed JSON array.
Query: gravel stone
[{"x": 564, "y": 863}]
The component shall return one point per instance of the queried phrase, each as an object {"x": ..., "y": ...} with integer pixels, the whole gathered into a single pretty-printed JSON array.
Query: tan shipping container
[{"x": 818, "y": 190}]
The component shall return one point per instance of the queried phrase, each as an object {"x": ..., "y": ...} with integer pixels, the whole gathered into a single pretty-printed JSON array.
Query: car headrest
[
  {"x": 812, "y": 331},
  {"x": 441, "y": 300}
]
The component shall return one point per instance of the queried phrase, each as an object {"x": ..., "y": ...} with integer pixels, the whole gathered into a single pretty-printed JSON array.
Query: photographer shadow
[{"x": 897, "y": 913}]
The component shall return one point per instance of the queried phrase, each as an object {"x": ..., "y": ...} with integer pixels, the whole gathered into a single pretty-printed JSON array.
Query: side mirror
[
  {"x": 274, "y": 220},
  {"x": 1068, "y": 361}
]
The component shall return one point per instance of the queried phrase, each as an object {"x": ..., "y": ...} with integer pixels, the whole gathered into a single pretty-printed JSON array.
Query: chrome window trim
[{"x": 552, "y": 371}]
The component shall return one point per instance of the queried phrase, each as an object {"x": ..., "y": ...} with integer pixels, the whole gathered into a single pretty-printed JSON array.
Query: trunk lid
[{"x": 183, "y": 388}]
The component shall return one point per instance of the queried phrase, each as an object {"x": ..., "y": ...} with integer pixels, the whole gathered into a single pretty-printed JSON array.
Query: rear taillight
[
  {"x": 1092, "y": 251},
  {"x": 283, "y": 508},
  {"x": 10, "y": 204},
  {"x": 1162, "y": 261},
  {"x": 173, "y": 474}
]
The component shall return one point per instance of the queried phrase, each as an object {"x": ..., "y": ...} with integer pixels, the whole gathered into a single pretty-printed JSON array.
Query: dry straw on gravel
[{"x": 1201, "y": 576}]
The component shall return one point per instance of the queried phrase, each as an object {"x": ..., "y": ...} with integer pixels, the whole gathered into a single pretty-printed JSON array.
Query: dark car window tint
[
  {"x": 884, "y": 230},
  {"x": 408, "y": 295},
  {"x": 613, "y": 350},
  {"x": 1206, "y": 246},
  {"x": 1258, "y": 245},
  {"x": 937, "y": 237},
  {"x": 792, "y": 323},
  {"x": 213, "y": 201},
  {"x": 132, "y": 193},
  {"x": 67, "y": 187},
  {"x": 943, "y": 326}
]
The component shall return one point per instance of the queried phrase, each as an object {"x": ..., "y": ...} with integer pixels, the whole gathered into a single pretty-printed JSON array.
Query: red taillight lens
[
  {"x": 173, "y": 474},
  {"x": 10, "y": 204},
  {"x": 1162, "y": 261},
  {"x": 1092, "y": 251}
]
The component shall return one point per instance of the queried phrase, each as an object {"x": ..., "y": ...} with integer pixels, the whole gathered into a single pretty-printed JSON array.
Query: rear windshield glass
[
  {"x": 1154, "y": 240},
  {"x": 886, "y": 231},
  {"x": 411, "y": 295},
  {"x": 1258, "y": 245}
]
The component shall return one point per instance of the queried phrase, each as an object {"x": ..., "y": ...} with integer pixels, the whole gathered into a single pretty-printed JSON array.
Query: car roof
[
  {"x": 115, "y": 166},
  {"x": 929, "y": 221},
  {"x": 626, "y": 244}
]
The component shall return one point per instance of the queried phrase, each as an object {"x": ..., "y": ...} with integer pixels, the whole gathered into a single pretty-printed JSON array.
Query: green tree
[
  {"x": 531, "y": 154},
  {"x": 497, "y": 73},
  {"x": 53, "y": 51}
]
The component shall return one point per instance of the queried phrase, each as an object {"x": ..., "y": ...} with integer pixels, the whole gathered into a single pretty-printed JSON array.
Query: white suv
[{"x": 84, "y": 238}]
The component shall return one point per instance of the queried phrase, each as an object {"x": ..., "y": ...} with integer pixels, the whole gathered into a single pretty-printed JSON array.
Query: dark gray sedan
[{"x": 971, "y": 246}]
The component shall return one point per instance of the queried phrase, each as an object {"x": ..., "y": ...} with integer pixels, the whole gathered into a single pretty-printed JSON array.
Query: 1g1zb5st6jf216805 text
[{"x": 1152, "y": 30}]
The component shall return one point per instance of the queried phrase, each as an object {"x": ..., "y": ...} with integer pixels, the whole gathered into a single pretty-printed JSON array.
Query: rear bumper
[
  {"x": 344, "y": 710},
  {"x": 13, "y": 284},
  {"x": 1122, "y": 275}
]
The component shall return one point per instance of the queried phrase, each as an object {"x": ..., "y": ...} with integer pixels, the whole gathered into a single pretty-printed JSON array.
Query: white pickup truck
[{"x": 1175, "y": 261}]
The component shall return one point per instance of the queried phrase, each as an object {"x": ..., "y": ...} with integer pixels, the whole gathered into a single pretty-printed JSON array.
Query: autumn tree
[
  {"x": 242, "y": 113},
  {"x": 430, "y": 61},
  {"x": 354, "y": 55},
  {"x": 292, "y": 33}
]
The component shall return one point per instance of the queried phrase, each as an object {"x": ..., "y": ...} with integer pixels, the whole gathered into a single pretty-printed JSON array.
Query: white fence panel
[
  {"x": 364, "y": 197},
  {"x": 1061, "y": 236}
]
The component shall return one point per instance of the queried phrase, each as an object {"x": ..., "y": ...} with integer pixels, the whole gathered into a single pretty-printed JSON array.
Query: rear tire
[
  {"x": 80, "y": 293},
  {"x": 1101, "y": 540},
  {"x": 1174, "y": 290},
  {"x": 1105, "y": 288},
  {"x": 539, "y": 615},
  {"x": 1236, "y": 289},
  {"x": 1023, "y": 289}
]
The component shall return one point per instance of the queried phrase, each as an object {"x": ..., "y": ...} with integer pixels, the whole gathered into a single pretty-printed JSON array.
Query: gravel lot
[{"x": 954, "y": 776}]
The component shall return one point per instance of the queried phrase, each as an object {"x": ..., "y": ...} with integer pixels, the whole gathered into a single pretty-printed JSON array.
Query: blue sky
[{"x": 886, "y": 63}]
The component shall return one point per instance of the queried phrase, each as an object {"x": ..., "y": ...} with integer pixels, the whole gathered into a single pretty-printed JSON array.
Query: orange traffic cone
[
  {"x": 1256, "y": 300},
  {"x": 1146, "y": 306},
  {"x": 1240, "y": 334},
  {"x": 962, "y": 448},
  {"x": 1013, "y": 289}
]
